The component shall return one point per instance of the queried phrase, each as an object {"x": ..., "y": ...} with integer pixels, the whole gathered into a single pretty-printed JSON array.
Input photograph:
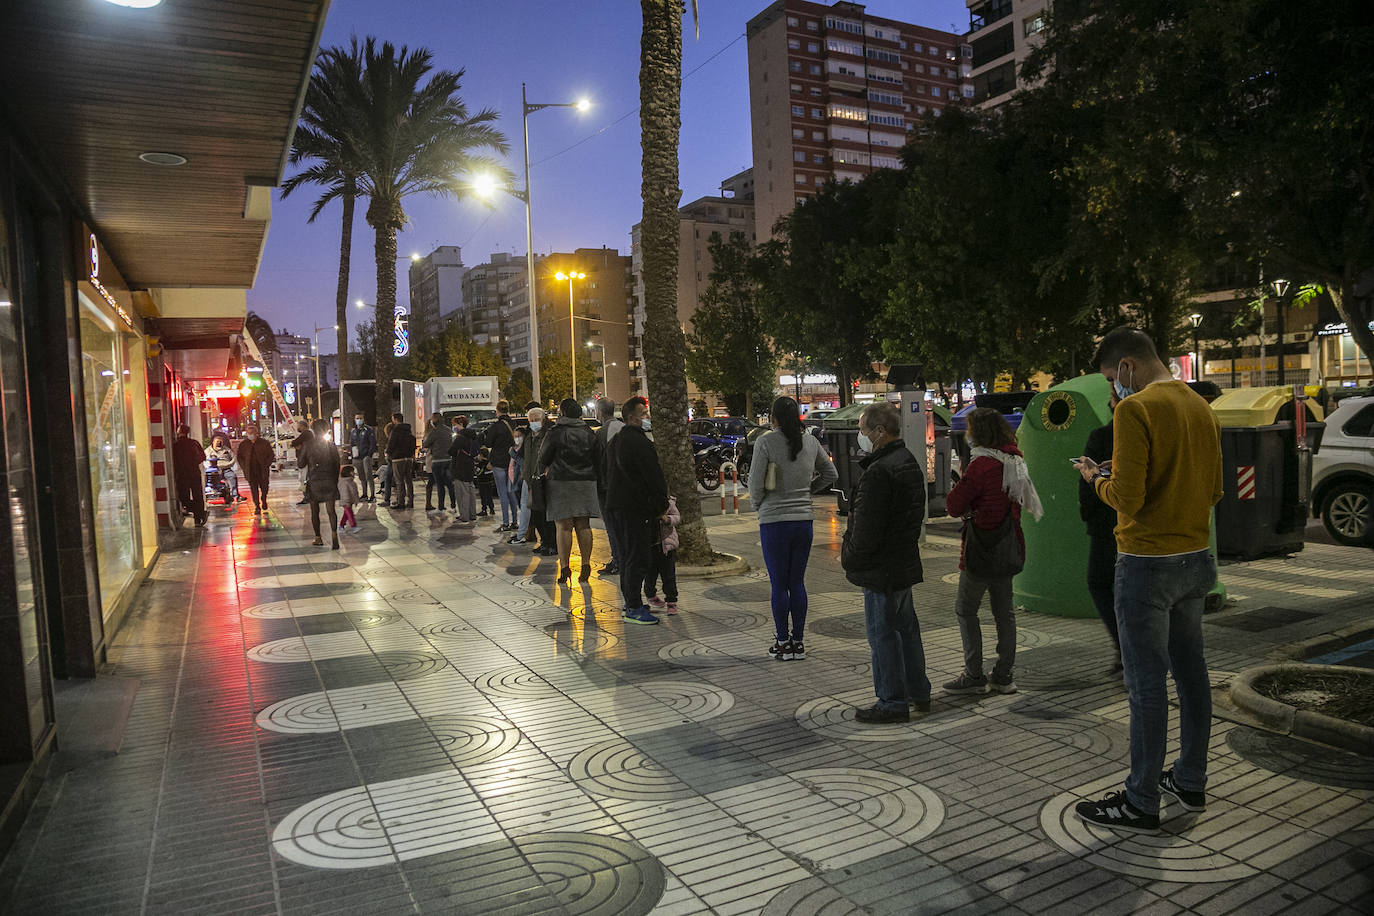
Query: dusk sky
[{"x": 586, "y": 166}]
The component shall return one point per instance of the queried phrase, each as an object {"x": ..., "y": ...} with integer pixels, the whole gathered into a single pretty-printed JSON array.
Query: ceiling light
[
  {"x": 135, "y": 4},
  {"x": 161, "y": 158}
]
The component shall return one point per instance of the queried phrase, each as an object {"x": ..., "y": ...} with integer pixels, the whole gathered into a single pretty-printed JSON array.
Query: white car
[{"x": 1343, "y": 472}]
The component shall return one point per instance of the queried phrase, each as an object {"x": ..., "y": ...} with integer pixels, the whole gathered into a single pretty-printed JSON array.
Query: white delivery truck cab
[
  {"x": 360, "y": 396},
  {"x": 473, "y": 396}
]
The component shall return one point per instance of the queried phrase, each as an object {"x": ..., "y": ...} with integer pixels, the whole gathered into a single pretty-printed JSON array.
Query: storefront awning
[{"x": 95, "y": 86}]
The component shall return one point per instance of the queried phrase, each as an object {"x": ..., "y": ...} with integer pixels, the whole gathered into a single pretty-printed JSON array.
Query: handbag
[
  {"x": 537, "y": 486},
  {"x": 770, "y": 478},
  {"x": 995, "y": 553}
]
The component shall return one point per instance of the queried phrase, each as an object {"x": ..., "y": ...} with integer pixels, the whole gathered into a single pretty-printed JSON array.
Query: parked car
[
  {"x": 1343, "y": 472},
  {"x": 728, "y": 431}
]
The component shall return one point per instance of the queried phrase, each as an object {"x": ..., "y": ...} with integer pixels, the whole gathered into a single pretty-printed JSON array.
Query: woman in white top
[
  {"x": 788, "y": 468},
  {"x": 224, "y": 460}
]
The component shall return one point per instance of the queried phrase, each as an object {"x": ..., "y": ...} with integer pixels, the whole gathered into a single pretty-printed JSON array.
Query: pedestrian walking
[
  {"x": 788, "y": 468},
  {"x": 636, "y": 498},
  {"x": 881, "y": 554},
  {"x": 664, "y": 566},
  {"x": 540, "y": 530},
  {"x": 990, "y": 497},
  {"x": 1165, "y": 476},
  {"x": 255, "y": 459},
  {"x": 462, "y": 451},
  {"x": 400, "y": 452},
  {"x": 437, "y": 440},
  {"x": 362, "y": 445},
  {"x": 1100, "y": 520},
  {"x": 566, "y": 460},
  {"x": 605, "y": 412},
  {"x": 348, "y": 496},
  {"x": 322, "y": 481},
  {"x": 187, "y": 457},
  {"x": 498, "y": 439},
  {"x": 304, "y": 437}
]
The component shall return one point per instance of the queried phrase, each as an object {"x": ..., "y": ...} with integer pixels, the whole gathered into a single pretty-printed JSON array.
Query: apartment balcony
[{"x": 984, "y": 15}]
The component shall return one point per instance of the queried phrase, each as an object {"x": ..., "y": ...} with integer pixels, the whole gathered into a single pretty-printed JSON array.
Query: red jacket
[{"x": 979, "y": 494}]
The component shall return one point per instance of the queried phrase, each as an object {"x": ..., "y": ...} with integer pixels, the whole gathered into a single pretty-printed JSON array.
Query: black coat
[
  {"x": 322, "y": 471},
  {"x": 499, "y": 437},
  {"x": 401, "y": 445},
  {"x": 568, "y": 452},
  {"x": 635, "y": 483},
  {"x": 881, "y": 549},
  {"x": 1098, "y": 517},
  {"x": 255, "y": 459},
  {"x": 463, "y": 451}
]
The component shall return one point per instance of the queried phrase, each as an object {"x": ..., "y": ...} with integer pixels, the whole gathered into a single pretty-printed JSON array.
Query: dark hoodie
[{"x": 402, "y": 442}]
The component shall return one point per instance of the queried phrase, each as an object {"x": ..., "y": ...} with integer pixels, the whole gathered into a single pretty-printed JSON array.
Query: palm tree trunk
[
  {"x": 341, "y": 294},
  {"x": 665, "y": 350},
  {"x": 385, "y": 251}
]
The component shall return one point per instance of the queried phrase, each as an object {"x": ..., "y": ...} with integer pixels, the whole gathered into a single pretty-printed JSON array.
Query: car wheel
[{"x": 1345, "y": 512}]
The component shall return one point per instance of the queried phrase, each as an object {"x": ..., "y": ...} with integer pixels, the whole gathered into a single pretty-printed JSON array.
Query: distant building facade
[
  {"x": 493, "y": 303},
  {"x": 436, "y": 290},
  {"x": 1002, "y": 33},
  {"x": 602, "y": 311}
]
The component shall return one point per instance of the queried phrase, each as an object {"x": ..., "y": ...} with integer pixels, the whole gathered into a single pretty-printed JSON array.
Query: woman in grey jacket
[{"x": 788, "y": 467}]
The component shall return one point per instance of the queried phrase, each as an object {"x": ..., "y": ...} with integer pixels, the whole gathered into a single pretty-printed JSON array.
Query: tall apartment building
[
  {"x": 493, "y": 294},
  {"x": 833, "y": 91},
  {"x": 436, "y": 290},
  {"x": 1001, "y": 34},
  {"x": 293, "y": 363},
  {"x": 730, "y": 211},
  {"x": 602, "y": 308}
]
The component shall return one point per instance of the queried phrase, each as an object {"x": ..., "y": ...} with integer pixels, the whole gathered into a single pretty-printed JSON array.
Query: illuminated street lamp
[
  {"x": 572, "y": 323},
  {"x": 1196, "y": 319},
  {"x": 315, "y": 349},
  {"x": 1281, "y": 290},
  {"x": 605, "y": 376}
]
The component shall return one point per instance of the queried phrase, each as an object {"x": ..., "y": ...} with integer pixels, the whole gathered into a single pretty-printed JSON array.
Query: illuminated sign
[
  {"x": 1336, "y": 329},
  {"x": 402, "y": 344},
  {"x": 223, "y": 390},
  {"x": 290, "y": 394},
  {"x": 100, "y": 288}
]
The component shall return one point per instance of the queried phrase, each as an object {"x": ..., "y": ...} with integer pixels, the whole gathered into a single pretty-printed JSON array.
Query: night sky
[{"x": 585, "y": 196}]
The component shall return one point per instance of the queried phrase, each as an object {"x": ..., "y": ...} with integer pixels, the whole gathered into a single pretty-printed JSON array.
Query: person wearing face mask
[
  {"x": 255, "y": 461},
  {"x": 362, "y": 445},
  {"x": 881, "y": 554},
  {"x": 788, "y": 468},
  {"x": 1165, "y": 476},
  {"x": 535, "y": 527},
  {"x": 1100, "y": 520},
  {"x": 462, "y": 453}
]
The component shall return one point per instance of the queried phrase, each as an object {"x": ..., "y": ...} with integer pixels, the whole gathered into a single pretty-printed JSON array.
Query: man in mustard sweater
[{"x": 1163, "y": 479}]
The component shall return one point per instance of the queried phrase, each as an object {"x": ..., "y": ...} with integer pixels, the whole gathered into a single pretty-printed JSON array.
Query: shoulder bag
[{"x": 994, "y": 554}]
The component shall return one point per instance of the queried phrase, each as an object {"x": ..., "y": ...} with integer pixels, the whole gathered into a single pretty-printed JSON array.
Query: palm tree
[
  {"x": 665, "y": 350},
  {"x": 322, "y": 141},
  {"x": 412, "y": 136}
]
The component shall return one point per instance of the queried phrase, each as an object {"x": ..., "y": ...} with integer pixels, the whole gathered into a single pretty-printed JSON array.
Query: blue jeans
[
  {"x": 522, "y": 528},
  {"x": 894, "y": 641},
  {"x": 786, "y": 548},
  {"x": 1159, "y": 617},
  {"x": 498, "y": 476}
]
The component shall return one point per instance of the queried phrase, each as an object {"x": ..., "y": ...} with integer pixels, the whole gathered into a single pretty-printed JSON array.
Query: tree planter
[
  {"x": 1290, "y": 718},
  {"x": 722, "y": 564}
]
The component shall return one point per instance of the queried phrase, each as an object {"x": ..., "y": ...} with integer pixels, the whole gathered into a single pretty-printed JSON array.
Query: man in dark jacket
[
  {"x": 881, "y": 554},
  {"x": 462, "y": 453},
  {"x": 187, "y": 457},
  {"x": 302, "y": 444},
  {"x": 362, "y": 445},
  {"x": 400, "y": 451},
  {"x": 636, "y": 498},
  {"x": 605, "y": 412},
  {"x": 498, "y": 439},
  {"x": 1100, "y": 520},
  {"x": 255, "y": 461}
]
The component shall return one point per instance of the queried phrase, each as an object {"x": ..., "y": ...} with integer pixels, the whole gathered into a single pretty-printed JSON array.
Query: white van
[{"x": 473, "y": 396}]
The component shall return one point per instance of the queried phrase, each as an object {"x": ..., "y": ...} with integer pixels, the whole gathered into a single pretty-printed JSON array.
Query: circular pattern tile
[
  {"x": 470, "y": 740},
  {"x": 839, "y": 627},
  {"x": 365, "y": 619},
  {"x": 1300, "y": 760},
  {"x": 412, "y": 596},
  {"x": 339, "y": 830},
  {"x": 733, "y": 594},
  {"x": 404, "y": 664},
  {"x": 594, "y": 874},
  {"x": 691, "y": 700},
  {"x": 447, "y": 630},
  {"x": 811, "y": 897},
  {"x": 834, "y": 718},
  {"x": 901, "y": 807},
  {"x": 618, "y": 769},
  {"x": 273, "y": 610},
  {"x": 310, "y": 713},
  {"x": 1052, "y": 683},
  {"x": 469, "y": 575},
  {"x": 736, "y": 620},
  {"x": 517, "y": 682},
  {"x": 585, "y": 638},
  {"x": 1095, "y": 737},
  {"x": 693, "y": 654},
  {"x": 520, "y": 604}
]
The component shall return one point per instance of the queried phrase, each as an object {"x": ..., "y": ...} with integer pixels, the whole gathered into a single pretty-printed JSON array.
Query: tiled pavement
[{"x": 425, "y": 722}]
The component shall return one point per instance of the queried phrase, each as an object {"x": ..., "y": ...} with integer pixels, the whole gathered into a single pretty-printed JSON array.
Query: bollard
[{"x": 734, "y": 490}]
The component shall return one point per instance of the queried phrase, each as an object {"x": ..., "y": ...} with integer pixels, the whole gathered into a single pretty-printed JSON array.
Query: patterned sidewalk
[{"x": 424, "y": 722}]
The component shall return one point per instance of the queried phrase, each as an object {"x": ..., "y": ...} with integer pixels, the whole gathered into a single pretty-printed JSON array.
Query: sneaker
[
  {"x": 610, "y": 569},
  {"x": 998, "y": 686},
  {"x": 778, "y": 651},
  {"x": 877, "y": 715},
  {"x": 639, "y": 615},
  {"x": 671, "y": 607},
  {"x": 796, "y": 650},
  {"x": 1191, "y": 801},
  {"x": 967, "y": 683},
  {"x": 655, "y": 601},
  {"x": 1116, "y": 813}
]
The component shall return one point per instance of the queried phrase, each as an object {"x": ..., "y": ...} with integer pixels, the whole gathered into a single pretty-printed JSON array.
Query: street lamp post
[
  {"x": 315, "y": 348},
  {"x": 570, "y": 276},
  {"x": 1196, "y": 319},
  {"x": 605, "y": 375},
  {"x": 1281, "y": 291}
]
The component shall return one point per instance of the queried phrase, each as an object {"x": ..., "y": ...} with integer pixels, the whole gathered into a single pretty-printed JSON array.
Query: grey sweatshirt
[{"x": 790, "y": 501}]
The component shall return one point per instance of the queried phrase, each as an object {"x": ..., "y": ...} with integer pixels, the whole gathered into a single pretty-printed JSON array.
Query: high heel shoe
[
  {"x": 565, "y": 576},
  {"x": 585, "y": 575}
]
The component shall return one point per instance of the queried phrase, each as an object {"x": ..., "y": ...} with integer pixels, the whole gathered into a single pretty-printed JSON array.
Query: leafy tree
[
  {"x": 261, "y": 331},
  {"x": 366, "y": 332},
  {"x": 452, "y": 353},
  {"x": 520, "y": 389},
  {"x": 322, "y": 143},
  {"x": 729, "y": 351},
  {"x": 660, "y": 120},
  {"x": 414, "y": 136},
  {"x": 555, "y": 378}
]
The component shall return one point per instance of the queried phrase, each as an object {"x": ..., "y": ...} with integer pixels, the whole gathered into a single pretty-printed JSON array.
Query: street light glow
[
  {"x": 583, "y": 104},
  {"x": 361, "y": 304},
  {"x": 485, "y": 184},
  {"x": 415, "y": 256}
]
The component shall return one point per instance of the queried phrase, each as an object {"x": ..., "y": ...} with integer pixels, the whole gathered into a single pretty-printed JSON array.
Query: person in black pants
[
  {"x": 187, "y": 457},
  {"x": 1100, "y": 520},
  {"x": 636, "y": 500}
]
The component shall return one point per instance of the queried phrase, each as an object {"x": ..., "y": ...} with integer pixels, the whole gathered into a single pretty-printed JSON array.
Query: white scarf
[{"x": 1015, "y": 479}]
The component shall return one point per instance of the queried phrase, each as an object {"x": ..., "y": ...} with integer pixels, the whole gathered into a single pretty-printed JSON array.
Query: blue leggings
[{"x": 786, "y": 547}]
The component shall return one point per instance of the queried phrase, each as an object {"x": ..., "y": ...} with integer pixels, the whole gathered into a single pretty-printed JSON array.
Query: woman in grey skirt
[
  {"x": 570, "y": 500},
  {"x": 322, "y": 480}
]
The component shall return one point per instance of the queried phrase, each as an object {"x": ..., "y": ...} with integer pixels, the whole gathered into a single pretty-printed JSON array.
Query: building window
[
  {"x": 920, "y": 89},
  {"x": 935, "y": 91},
  {"x": 919, "y": 68},
  {"x": 794, "y": 66},
  {"x": 818, "y": 136},
  {"x": 814, "y": 47},
  {"x": 950, "y": 74},
  {"x": 844, "y": 47},
  {"x": 820, "y": 180},
  {"x": 794, "y": 44},
  {"x": 934, "y": 51},
  {"x": 816, "y": 90},
  {"x": 886, "y": 98},
  {"x": 793, "y": 21},
  {"x": 843, "y": 25},
  {"x": 818, "y": 159},
  {"x": 796, "y": 87},
  {"x": 801, "y": 200},
  {"x": 812, "y": 25},
  {"x": 799, "y": 178},
  {"x": 848, "y": 113},
  {"x": 890, "y": 57},
  {"x": 815, "y": 69},
  {"x": 798, "y": 156},
  {"x": 798, "y": 111},
  {"x": 917, "y": 47},
  {"x": 798, "y": 133},
  {"x": 1035, "y": 24},
  {"x": 817, "y": 113},
  {"x": 968, "y": 91}
]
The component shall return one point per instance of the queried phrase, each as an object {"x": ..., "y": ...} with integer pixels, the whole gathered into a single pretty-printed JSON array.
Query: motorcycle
[{"x": 707, "y": 463}]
